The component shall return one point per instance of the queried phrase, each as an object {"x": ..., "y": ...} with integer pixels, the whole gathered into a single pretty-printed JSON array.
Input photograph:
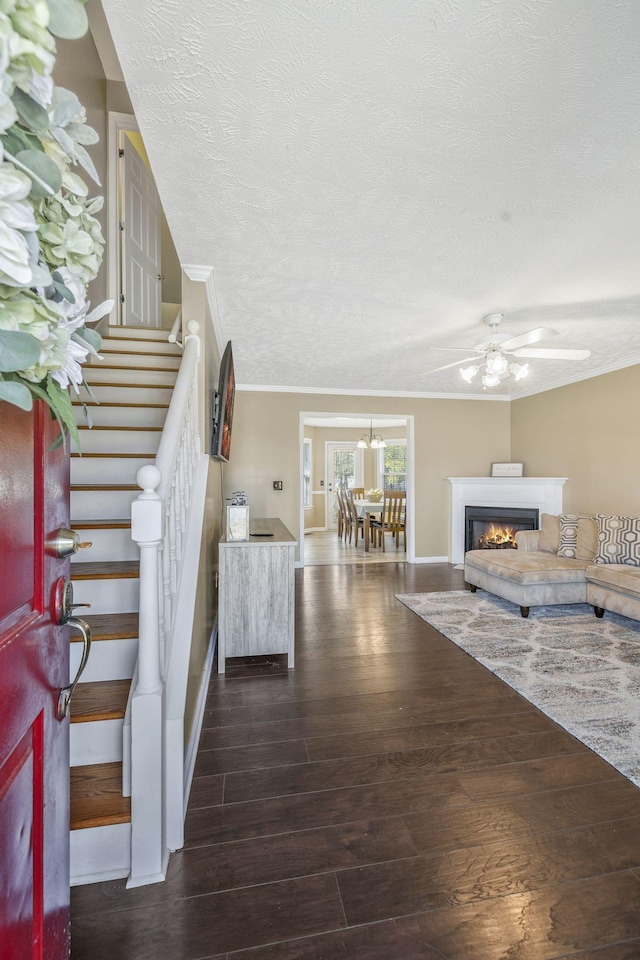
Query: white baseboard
[
  {"x": 315, "y": 529},
  {"x": 191, "y": 751},
  {"x": 430, "y": 560}
]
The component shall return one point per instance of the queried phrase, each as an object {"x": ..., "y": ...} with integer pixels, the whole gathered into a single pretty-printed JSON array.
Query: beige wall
[
  {"x": 78, "y": 68},
  {"x": 195, "y": 308},
  {"x": 588, "y": 432},
  {"x": 452, "y": 438}
]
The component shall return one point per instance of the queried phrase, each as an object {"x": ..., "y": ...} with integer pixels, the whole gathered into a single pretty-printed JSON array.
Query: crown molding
[{"x": 197, "y": 271}]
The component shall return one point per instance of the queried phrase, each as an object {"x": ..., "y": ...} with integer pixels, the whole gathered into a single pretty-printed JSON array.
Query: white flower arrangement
[{"x": 51, "y": 244}]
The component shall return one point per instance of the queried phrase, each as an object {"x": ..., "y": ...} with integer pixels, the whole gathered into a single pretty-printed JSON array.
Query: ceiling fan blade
[
  {"x": 534, "y": 336},
  {"x": 457, "y": 363},
  {"x": 542, "y": 354}
]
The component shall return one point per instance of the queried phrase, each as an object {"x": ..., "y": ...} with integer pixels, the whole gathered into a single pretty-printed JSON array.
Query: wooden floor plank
[{"x": 389, "y": 799}]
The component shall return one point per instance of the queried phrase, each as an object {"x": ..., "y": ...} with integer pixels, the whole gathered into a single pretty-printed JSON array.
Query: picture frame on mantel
[{"x": 507, "y": 469}]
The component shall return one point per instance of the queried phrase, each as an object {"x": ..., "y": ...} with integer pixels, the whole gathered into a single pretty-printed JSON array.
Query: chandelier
[
  {"x": 374, "y": 441},
  {"x": 496, "y": 367}
]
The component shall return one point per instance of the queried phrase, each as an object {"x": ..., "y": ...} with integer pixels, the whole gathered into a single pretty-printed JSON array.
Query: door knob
[
  {"x": 64, "y": 697},
  {"x": 65, "y": 542}
]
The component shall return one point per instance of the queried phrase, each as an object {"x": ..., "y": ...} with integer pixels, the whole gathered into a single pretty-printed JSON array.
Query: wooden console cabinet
[{"x": 256, "y": 601}]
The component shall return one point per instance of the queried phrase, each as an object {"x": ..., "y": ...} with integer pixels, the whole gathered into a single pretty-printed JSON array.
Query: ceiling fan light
[
  {"x": 375, "y": 443},
  {"x": 519, "y": 370},
  {"x": 490, "y": 379},
  {"x": 362, "y": 443},
  {"x": 381, "y": 443},
  {"x": 497, "y": 363},
  {"x": 468, "y": 373}
]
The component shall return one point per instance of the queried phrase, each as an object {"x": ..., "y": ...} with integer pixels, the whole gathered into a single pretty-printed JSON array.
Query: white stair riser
[
  {"x": 119, "y": 441},
  {"x": 107, "y": 596},
  {"x": 120, "y": 345},
  {"x": 100, "y": 853},
  {"x": 108, "y": 660},
  {"x": 106, "y": 416},
  {"x": 98, "y": 741},
  {"x": 106, "y": 469},
  {"x": 135, "y": 361},
  {"x": 105, "y": 374},
  {"x": 106, "y": 544},
  {"x": 101, "y": 504},
  {"x": 120, "y": 393}
]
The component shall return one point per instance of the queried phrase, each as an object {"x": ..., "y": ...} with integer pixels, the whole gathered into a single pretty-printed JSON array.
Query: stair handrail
[
  {"x": 159, "y": 520},
  {"x": 173, "y": 334}
]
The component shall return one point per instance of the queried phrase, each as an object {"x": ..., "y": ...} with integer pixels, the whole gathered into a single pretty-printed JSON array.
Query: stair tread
[
  {"x": 102, "y": 700},
  {"x": 138, "y": 386},
  {"x": 96, "y": 796},
  {"x": 113, "y": 403},
  {"x": 104, "y": 486},
  {"x": 140, "y": 353},
  {"x": 120, "y": 366},
  {"x": 114, "y": 456},
  {"x": 110, "y": 626},
  {"x": 101, "y": 524},
  {"x": 105, "y": 570},
  {"x": 83, "y": 426}
]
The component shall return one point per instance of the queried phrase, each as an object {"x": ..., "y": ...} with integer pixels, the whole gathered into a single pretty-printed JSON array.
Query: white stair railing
[
  {"x": 166, "y": 519},
  {"x": 173, "y": 333}
]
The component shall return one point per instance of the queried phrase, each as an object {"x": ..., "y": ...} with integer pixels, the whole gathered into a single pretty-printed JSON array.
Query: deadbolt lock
[{"x": 65, "y": 543}]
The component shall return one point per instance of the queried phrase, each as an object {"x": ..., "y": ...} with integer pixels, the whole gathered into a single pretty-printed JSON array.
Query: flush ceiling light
[{"x": 374, "y": 441}]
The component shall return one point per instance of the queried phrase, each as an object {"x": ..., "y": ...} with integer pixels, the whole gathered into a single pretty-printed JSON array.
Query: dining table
[{"x": 367, "y": 509}]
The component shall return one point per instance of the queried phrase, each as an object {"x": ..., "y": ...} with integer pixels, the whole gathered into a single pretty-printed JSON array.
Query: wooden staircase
[{"x": 133, "y": 385}]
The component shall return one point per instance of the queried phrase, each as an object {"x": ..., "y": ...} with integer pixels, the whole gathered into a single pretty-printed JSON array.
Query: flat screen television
[{"x": 223, "y": 407}]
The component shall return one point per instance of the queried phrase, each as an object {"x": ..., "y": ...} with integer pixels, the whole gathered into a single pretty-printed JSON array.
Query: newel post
[
  {"x": 148, "y": 854},
  {"x": 147, "y": 531}
]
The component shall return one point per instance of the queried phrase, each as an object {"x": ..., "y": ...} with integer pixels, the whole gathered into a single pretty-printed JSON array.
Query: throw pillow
[
  {"x": 568, "y": 535},
  {"x": 618, "y": 540},
  {"x": 549, "y": 539},
  {"x": 587, "y": 547}
]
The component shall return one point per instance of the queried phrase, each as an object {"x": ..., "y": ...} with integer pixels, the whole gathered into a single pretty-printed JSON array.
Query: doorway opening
[
  {"x": 144, "y": 273},
  {"x": 332, "y": 455}
]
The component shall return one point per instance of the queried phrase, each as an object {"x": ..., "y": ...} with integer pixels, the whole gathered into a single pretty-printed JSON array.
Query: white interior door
[
  {"x": 141, "y": 244},
  {"x": 344, "y": 465}
]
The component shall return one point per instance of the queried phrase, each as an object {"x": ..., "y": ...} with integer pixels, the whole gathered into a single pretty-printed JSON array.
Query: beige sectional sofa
[{"x": 571, "y": 559}]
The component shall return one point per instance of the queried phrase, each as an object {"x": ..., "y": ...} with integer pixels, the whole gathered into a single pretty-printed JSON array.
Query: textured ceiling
[{"x": 368, "y": 178}]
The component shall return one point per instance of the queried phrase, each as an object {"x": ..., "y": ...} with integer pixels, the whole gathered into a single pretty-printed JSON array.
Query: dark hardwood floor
[{"x": 389, "y": 799}]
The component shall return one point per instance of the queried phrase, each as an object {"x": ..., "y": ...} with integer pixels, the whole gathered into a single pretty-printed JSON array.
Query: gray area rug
[{"x": 582, "y": 672}]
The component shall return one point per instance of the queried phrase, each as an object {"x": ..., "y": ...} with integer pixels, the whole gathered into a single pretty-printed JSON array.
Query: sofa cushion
[
  {"x": 525, "y": 568},
  {"x": 549, "y": 539},
  {"x": 620, "y": 576},
  {"x": 618, "y": 540},
  {"x": 587, "y": 545},
  {"x": 568, "y": 535}
]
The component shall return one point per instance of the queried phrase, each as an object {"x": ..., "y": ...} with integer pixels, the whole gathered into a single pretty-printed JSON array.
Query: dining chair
[
  {"x": 354, "y": 522},
  {"x": 358, "y": 493},
  {"x": 392, "y": 518},
  {"x": 342, "y": 513}
]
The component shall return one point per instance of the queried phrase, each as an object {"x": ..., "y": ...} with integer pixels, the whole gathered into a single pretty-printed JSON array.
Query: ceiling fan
[{"x": 491, "y": 354}]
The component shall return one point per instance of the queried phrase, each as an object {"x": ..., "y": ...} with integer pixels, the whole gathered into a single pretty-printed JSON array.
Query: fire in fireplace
[{"x": 495, "y": 528}]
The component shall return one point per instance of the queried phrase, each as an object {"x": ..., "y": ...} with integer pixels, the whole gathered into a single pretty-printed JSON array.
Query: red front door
[{"x": 34, "y": 665}]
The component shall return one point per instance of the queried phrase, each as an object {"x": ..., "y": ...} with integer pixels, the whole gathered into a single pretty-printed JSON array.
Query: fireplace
[
  {"x": 534, "y": 493},
  {"x": 495, "y": 528}
]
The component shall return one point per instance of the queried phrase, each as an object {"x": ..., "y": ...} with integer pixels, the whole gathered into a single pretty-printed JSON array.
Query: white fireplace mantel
[{"x": 541, "y": 493}]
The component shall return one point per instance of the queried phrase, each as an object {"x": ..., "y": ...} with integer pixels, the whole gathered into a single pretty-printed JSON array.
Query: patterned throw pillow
[
  {"x": 568, "y": 535},
  {"x": 618, "y": 540}
]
